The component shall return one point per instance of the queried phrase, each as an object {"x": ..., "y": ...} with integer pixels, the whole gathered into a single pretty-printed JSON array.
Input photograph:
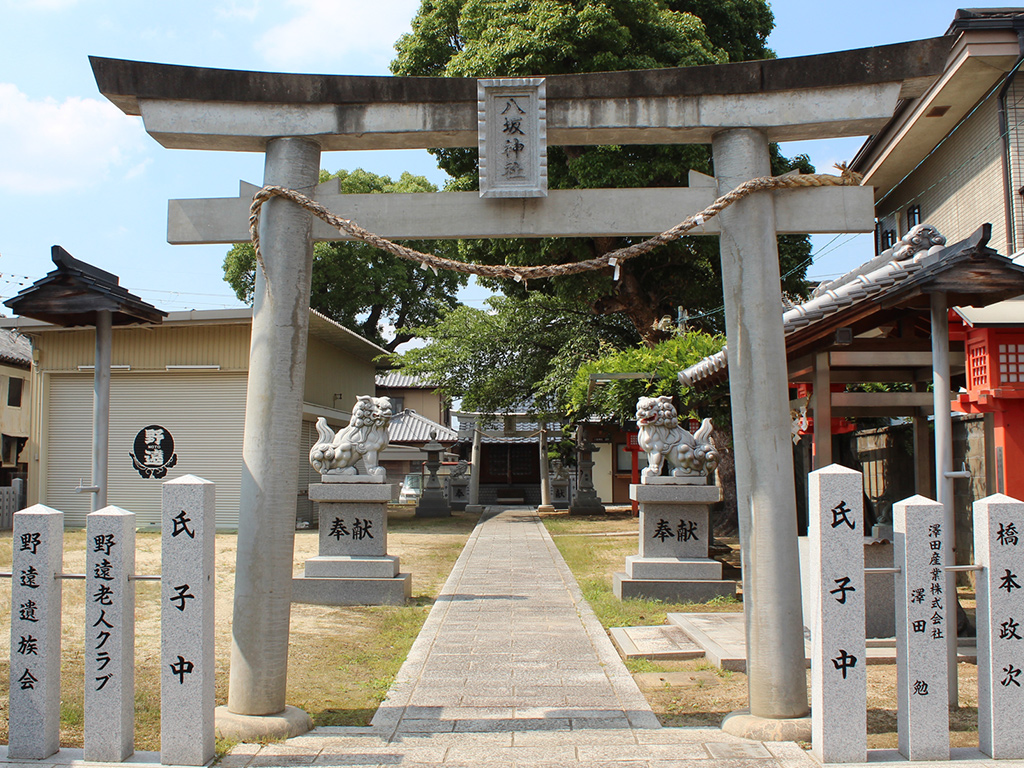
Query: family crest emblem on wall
[{"x": 153, "y": 452}]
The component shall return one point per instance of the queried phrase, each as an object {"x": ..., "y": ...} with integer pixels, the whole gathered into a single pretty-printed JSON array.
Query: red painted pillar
[{"x": 1009, "y": 453}]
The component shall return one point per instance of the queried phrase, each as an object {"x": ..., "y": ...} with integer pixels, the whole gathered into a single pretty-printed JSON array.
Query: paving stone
[
  {"x": 289, "y": 749},
  {"x": 485, "y": 755},
  {"x": 738, "y": 751},
  {"x": 583, "y": 721},
  {"x": 510, "y": 724},
  {"x": 633, "y": 752},
  {"x": 382, "y": 755},
  {"x": 478, "y": 713},
  {"x": 425, "y": 726},
  {"x": 576, "y": 738},
  {"x": 281, "y": 760}
]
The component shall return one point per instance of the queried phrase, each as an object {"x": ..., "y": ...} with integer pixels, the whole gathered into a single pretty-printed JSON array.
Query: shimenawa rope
[{"x": 610, "y": 259}]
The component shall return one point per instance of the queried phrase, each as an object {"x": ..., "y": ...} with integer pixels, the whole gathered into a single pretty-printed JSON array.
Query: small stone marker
[
  {"x": 187, "y": 622},
  {"x": 921, "y": 605},
  {"x": 34, "y": 703},
  {"x": 585, "y": 501},
  {"x": 458, "y": 487},
  {"x": 512, "y": 137},
  {"x": 109, "y": 728},
  {"x": 838, "y": 646},
  {"x": 998, "y": 527}
]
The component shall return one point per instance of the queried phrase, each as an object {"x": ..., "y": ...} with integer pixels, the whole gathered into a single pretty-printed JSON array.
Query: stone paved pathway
[{"x": 512, "y": 668}]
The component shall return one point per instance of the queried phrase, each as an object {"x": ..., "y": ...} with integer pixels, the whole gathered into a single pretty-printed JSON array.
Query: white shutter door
[
  {"x": 69, "y": 447},
  {"x": 203, "y": 412},
  {"x": 305, "y": 510}
]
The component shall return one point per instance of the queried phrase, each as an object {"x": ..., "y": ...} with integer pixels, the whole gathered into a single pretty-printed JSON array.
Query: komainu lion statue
[
  {"x": 364, "y": 438},
  {"x": 661, "y": 437}
]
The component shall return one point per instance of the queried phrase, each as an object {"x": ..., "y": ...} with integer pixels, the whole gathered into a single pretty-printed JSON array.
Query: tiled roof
[
  {"x": 15, "y": 349},
  {"x": 526, "y": 431},
  {"x": 399, "y": 380},
  {"x": 409, "y": 427},
  {"x": 883, "y": 273},
  {"x": 73, "y": 293}
]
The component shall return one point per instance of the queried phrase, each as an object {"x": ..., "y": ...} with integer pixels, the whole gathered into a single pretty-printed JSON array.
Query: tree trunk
[{"x": 630, "y": 299}]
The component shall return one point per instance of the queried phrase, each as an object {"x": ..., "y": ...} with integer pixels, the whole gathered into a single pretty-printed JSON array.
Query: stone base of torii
[{"x": 737, "y": 108}]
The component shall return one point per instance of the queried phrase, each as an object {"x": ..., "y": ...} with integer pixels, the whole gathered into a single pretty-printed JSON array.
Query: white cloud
[
  {"x": 351, "y": 36},
  {"x": 52, "y": 146},
  {"x": 246, "y": 10},
  {"x": 43, "y": 5}
]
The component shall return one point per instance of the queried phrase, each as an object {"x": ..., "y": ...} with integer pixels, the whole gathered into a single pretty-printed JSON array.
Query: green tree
[
  {"x": 517, "y": 352},
  {"x": 490, "y": 38},
  {"x": 359, "y": 286},
  {"x": 616, "y": 399}
]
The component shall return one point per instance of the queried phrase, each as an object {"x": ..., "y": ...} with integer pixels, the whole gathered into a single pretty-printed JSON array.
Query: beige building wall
[
  {"x": 423, "y": 401},
  {"x": 15, "y": 420},
  {"x": 960, "y": 186},
  {"x": 167, "y": 369},
  {"x": 1015, "y": 131},
  {"x": 603, "y": 477},
  {"x": 331, "y": 372},
  {"x": 150, "y": 348}
]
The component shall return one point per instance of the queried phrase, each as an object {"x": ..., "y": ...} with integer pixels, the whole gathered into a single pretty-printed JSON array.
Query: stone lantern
[{"x": 432, "y": 501}]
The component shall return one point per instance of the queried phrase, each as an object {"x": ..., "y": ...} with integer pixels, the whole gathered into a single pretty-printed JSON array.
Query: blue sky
[{"x": 77, "y": 172}]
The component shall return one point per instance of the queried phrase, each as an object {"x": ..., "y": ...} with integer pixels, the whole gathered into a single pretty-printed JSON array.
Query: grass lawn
[
  {"x": 694, "y": 692},
  {"x": 341, "y": 660}
]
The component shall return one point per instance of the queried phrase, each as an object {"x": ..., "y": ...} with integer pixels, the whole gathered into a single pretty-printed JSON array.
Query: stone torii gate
[{"x": 737, "y": 108}]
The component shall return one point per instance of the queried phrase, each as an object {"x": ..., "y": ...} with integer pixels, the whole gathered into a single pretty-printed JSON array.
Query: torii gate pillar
[
  {"x": 763, "y": 451},
  {"x": 273, "y": 419}
]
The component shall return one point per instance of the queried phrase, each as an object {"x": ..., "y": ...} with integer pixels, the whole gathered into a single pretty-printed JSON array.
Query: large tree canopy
[
  {"x": 359, "y": 286},
  {"x": 493, "y": 38}
]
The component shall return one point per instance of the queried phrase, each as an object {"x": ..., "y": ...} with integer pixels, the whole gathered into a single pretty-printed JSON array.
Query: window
[
  {"x": 913, "y": 216},
  {"x": 624, "y": 459},
  {"x": 9, "y": 448},
  {"x": 14, "y": 387},
  {"x": 397, "y": 404},
  {"x": 884, "y": 238}
]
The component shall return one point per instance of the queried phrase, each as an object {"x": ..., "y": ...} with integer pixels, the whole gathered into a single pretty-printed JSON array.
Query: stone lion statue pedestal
[
  {"x": 675, "y": 510},
  {"x": 353, "y": 566}
]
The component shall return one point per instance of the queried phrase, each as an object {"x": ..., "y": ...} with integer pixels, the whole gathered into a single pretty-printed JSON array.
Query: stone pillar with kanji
[
  {"x": 109, "y": 698},
  {"x": 999, "y": 586},
  {"x": 838, "y": 642},
  {"x": 921, "y": 605},
  {"x": 34, "y": 698},
  {"x": 187, "y": 598}
]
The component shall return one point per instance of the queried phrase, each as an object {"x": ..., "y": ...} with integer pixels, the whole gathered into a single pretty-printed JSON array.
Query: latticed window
[
  {"x": 1011, "y": 363},
  {"x": 524, "y": 462},
  {"x": 977, "y": 366}
]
